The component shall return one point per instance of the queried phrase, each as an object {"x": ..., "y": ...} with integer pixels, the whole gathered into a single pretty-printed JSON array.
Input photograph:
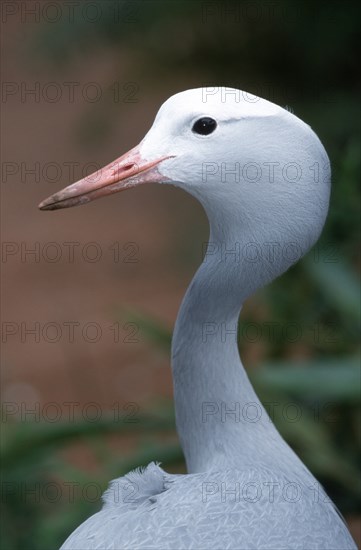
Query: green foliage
[{"x": 44, "y": 497}]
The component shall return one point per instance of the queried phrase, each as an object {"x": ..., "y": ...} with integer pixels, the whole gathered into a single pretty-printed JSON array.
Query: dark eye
[{"x": 204, "y": 126}]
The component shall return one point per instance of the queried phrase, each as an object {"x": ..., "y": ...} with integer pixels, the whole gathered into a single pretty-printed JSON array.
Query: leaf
[
  {"x": 338, "y": 283},
  {"x": 337, "y": 379},
  {"x": 33, "y": 439}
]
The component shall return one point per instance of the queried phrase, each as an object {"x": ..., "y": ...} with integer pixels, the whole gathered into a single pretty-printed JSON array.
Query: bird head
[{"x": 257, "y": 169}]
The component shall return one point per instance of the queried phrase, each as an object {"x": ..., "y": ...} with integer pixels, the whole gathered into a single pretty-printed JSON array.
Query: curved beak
[{"x": 125, "y": 172}]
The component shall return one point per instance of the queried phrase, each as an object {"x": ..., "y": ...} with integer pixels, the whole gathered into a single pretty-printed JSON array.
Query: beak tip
[
  {"x": 46, "y": 205},
  {"x": 60, "y": 201},
  {"x": 54, "y": 202}
]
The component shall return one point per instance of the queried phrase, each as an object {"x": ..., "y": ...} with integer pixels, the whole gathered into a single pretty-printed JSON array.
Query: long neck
[{"x": 221, "y": 422}]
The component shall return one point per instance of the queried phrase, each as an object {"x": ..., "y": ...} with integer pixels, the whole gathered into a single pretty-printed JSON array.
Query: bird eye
[{"x": 204, "y": 126}]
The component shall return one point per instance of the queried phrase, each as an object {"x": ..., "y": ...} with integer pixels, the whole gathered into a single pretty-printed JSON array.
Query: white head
[{"x": 261, "y": 173}]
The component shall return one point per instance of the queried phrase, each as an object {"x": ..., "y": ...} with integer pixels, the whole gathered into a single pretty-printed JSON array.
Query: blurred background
[{"x": 90, "y": 295}]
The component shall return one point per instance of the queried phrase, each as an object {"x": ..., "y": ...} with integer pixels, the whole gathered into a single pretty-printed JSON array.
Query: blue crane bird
[{"x": 251, "y": 164}]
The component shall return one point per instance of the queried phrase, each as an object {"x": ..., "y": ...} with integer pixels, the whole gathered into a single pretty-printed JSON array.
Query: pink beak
[{"x": 125, "y": 172}]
